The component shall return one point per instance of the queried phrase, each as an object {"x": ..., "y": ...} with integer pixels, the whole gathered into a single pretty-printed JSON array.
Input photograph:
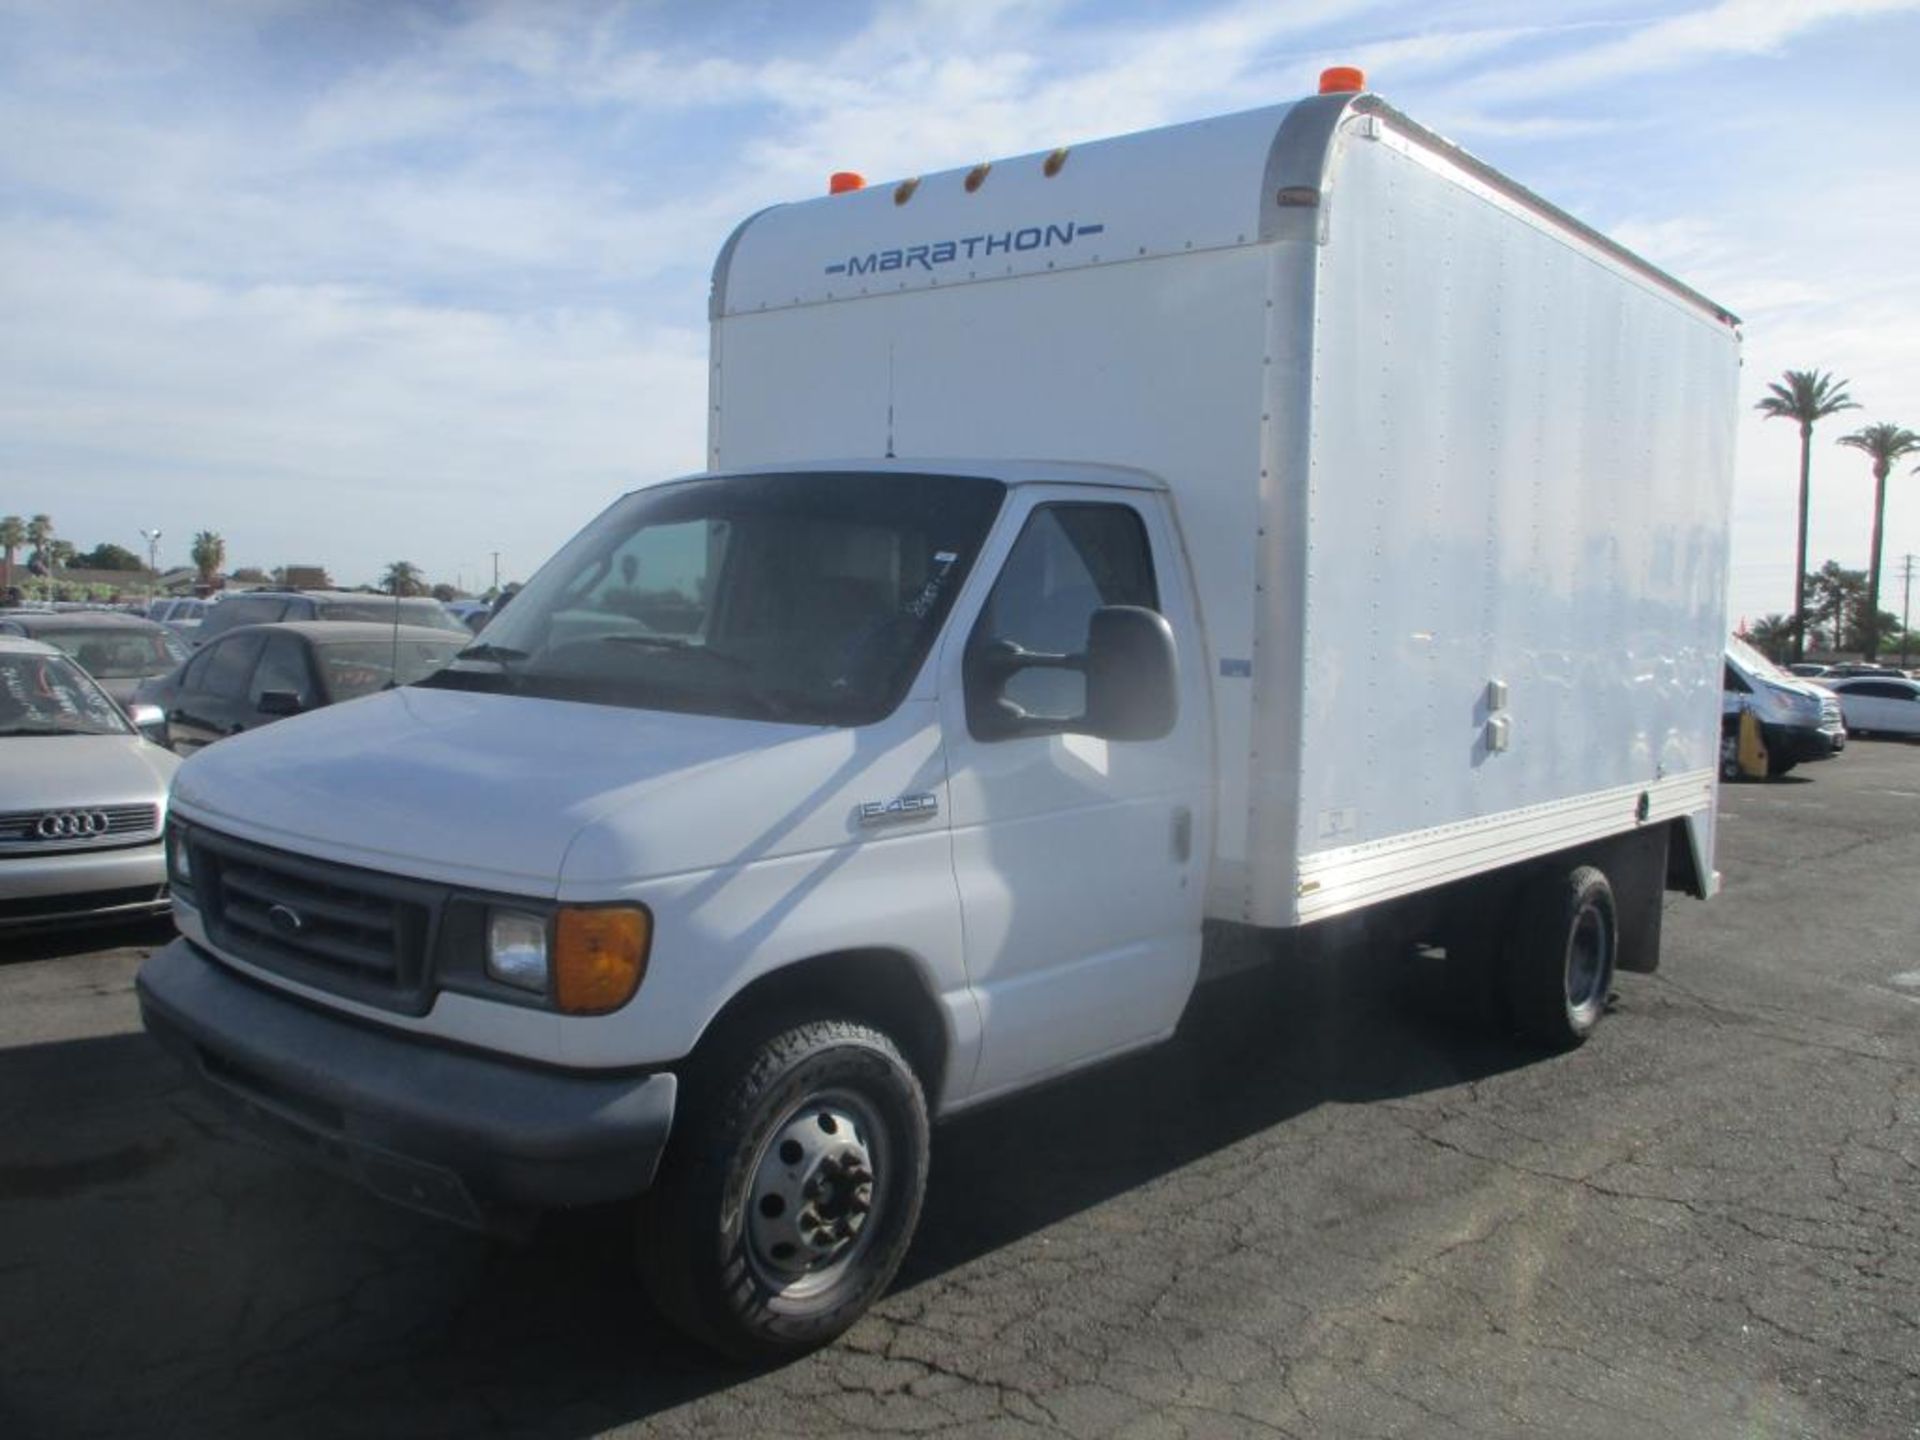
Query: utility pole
[{"x": 496, "y": 572}]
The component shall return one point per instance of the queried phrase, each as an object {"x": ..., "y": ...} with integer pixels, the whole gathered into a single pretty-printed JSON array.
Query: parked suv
[
  {"x": 1799, "y": 720},
  {"x": 264, "y": 607}
]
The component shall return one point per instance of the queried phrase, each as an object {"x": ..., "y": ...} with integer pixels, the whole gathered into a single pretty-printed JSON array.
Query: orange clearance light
[
  {"x": 1342, "y": 79},
  {"x": 599, "y": 956},
  {"x": 841, "y": 181}
]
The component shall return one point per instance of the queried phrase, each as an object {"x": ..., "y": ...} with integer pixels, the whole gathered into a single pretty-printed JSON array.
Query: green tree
[
  {"x": 1805, "y": 397},
  {"x": 1834, "y": 596},
  {"x": 1884, "y": 444},
  {"x": 106, "y": 556},
  {"x": 209, "y": 554},
  {"x": 1773, "y": 636},
  {"x": 403, "y": 577},
  {"x": 13, "y": 534},
  {"x": 250, "y": 575},
  {"x": 39, "y": 536}
]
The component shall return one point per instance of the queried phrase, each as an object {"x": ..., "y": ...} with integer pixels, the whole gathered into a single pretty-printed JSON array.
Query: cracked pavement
[{"x": 1334, "y": 1206}]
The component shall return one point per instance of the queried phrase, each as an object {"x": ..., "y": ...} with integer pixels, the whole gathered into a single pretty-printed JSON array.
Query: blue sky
[{"x": 351, "y": 281}]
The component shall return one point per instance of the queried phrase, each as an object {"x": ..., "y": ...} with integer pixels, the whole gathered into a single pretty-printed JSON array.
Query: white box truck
[{"x": 1112, "y": 562}]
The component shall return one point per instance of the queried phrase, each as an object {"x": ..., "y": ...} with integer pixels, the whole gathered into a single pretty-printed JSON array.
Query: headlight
[
  {"x": 517, "y": 949},
  {"x": 179, "y": 858},
  {"x": 1775, "y": 705}
]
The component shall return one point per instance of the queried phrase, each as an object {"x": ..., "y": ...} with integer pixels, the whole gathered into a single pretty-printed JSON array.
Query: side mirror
[
  {"x": 1133, "y": 675},
  {"x": 150, "y": 721},
  {"x": 280, "y": 702}
]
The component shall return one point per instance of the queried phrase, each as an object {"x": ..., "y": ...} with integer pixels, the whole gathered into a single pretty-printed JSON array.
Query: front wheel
[
  {"x": 1560, "y": 956},
  {"x": 791, "y": 1194}
]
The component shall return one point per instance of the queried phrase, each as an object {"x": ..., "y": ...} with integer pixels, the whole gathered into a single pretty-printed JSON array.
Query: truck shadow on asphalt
[{"x": 164, "y": 1276}]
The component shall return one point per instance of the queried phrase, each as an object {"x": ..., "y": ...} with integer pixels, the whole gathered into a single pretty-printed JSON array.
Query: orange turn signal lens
[{"x": 599, "y": 956}]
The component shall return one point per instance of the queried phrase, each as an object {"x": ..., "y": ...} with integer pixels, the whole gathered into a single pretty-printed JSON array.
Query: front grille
[
  {"x": 355, "y": 933},
  {"x": 77, "y": 827}
]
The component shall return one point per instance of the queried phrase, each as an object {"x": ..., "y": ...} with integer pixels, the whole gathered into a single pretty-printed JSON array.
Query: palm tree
[
  {"x": 13, "y": 534},
  {"x": 209, "y": 554},
  {"x": 39, "y": 536},
  {"x": 403, "y": 578},
  {"x": 1884, "y": 443},
  {"x": 1806, "y": 396}
]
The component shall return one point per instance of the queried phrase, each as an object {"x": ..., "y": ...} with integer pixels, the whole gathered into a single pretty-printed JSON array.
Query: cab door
[{"x": 1079, "y": 860}]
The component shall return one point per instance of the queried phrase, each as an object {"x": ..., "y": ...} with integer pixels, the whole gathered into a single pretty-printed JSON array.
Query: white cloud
[{"x": 1731, "y": 27}]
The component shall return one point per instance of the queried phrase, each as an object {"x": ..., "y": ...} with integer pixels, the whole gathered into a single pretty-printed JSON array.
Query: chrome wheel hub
[{"x": 812, "y": 1194}]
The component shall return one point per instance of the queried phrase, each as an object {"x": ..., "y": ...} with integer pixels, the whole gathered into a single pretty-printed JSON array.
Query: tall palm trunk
[
  {"x": 1800, "y": 564},
  {"x": 1880, "y": 469}
]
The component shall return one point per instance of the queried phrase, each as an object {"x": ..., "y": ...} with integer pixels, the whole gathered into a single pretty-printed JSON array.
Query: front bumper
[
  {"x": 471, "y": 1138},
  {"x": 50, "y": 889},
  {"x": 1800, "y": 743}
]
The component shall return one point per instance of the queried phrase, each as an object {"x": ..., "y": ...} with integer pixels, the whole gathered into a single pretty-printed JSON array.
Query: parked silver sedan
[{"x": 83, "y": 797}]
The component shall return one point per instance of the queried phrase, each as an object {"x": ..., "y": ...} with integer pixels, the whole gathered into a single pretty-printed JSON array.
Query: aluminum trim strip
[{"x": 1333, "y": 882}]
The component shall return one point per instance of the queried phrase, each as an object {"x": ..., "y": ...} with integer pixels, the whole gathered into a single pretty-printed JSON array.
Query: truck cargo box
[{"x": 1452, "y": 469}]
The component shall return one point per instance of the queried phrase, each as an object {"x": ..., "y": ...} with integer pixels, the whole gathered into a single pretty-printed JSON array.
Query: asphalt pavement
[{"x": 1336, "y": 1205}]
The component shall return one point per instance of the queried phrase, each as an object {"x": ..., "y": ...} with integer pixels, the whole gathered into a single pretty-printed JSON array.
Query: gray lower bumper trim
[{"x": 447, "y": 1131}]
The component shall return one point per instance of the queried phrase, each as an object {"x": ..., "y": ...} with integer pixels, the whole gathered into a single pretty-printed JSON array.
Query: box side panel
[
  {"x": 1156, "y": 364},
  {"x": 1517, "y": 512}
]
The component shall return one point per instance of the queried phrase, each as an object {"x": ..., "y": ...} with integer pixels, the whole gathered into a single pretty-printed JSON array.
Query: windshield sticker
[{"x": 922, "y": 604}]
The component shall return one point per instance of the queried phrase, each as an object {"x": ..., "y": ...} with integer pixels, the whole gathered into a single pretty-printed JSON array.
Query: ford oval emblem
[{"x": 286, "y": 920}]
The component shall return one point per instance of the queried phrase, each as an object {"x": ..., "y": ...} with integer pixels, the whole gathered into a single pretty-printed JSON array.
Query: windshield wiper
[
  {"x": 51, "y": 730},
  {"x": 485, "y": 650},
  {"x": 678, "y": 643}
]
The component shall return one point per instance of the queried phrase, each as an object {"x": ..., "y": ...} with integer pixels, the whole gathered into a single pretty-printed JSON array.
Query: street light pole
[
  {"x": 152, "y": 537},
  {"x": 496, "y": 572},
  {"x": 1906, "y": 606}
]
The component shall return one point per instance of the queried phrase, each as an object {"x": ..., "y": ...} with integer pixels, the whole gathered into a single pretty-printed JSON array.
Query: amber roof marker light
[
  {"x": 843, "y": 182},
  {"x": 1342, "y": 80}
]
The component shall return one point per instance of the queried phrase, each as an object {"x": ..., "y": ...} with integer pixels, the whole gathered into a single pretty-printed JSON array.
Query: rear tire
[
  {"x": 1560, "y": 956},
  {"x": 789, "y": 1197}
]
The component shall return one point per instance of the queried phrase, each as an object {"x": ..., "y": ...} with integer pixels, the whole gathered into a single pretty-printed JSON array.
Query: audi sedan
[{"x": 83, "y": 797}]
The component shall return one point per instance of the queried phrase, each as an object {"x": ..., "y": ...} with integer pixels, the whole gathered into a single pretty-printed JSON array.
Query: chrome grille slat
[{"x": 123, "y": 825}]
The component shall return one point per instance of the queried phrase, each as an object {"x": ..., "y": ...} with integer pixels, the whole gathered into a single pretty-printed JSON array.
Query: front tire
[
  {"x": 791, "y": 1191},
  {"x": 1560, "y": 956}
]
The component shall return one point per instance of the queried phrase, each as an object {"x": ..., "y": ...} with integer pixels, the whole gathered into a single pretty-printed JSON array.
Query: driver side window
[{"x": 1070, "y": 560}]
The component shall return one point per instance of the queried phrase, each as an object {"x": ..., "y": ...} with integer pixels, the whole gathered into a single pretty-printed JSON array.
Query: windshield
[
  {"x": 359, "y": 667},
  {"x": 48, "y": 695},
  {"x": 803, "y": 597},
  {"x": 117, "y": 654},
  {"x": 430, "y": 613}
]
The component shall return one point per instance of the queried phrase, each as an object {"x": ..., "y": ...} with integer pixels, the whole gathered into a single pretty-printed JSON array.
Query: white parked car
[
  {"x": 83, "y": 797},
  {"x": 1879, "y": 704}
]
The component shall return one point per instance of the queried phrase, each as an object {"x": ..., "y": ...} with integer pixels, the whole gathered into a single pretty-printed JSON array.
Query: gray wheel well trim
[{"x": 887, "y": 988}]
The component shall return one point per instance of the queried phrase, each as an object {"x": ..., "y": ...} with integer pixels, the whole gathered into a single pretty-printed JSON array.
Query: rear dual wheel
[{"x": 1560, "y": 955}]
